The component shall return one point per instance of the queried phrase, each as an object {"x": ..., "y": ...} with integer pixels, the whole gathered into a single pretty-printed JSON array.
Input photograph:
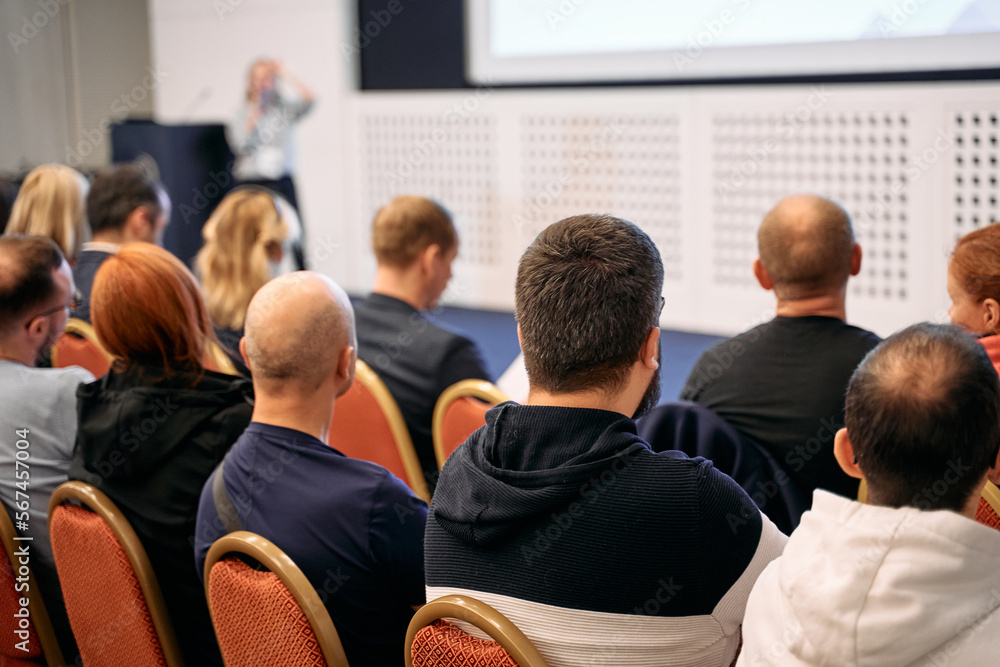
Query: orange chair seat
[
  {"x": 443, "y": 643},
  {"x": 71, "y": 350},
  {"x": 9, "y": 605},
  {"x": 272, "y": 633},
  {"x": 92, "y": 567},
  {"x": 986, "y": 515},
  {"x": 463, "y": 417}
]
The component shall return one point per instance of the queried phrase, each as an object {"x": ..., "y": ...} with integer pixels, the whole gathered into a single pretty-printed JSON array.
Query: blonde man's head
[{"x": 407, "y": 225}]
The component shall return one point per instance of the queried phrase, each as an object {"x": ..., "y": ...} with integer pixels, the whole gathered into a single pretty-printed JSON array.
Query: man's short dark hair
[
  {"x": 923, "y": 416},
  {"x": 115, "y": 193},
  {"x": 26, "y": 281},
  {"x": 588, "y": 291}
]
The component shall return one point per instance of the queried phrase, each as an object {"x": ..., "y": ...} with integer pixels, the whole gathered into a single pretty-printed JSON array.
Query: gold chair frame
[
  {"x": 36, "y": 606},
  {"x": 484, "y": 617},
  {"x": 95, "y": 500},
  {"x": 481, "y": 389},
  {"x": 277, "y": 561}
]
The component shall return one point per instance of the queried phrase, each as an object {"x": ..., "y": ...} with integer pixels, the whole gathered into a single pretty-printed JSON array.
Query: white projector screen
[{"x": 580, "y": 41}]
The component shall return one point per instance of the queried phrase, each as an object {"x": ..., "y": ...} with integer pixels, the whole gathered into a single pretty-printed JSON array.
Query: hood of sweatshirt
[
  {"x": 880, "y": 587},
  {"x": 130, "y": 426},
  {"x": 525, "y": 463}
]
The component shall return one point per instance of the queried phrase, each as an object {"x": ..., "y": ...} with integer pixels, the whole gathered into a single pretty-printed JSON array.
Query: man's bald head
[
  {"x": 296, "y": 327},
  {"x": 806, "y": 243}
]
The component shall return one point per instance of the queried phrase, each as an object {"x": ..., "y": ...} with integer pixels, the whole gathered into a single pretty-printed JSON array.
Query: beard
[{"x": 652, "y": 394}]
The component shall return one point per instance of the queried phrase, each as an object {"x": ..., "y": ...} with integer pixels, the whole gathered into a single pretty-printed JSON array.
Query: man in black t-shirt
[
  {"x": 415, "y": 243},
  {"x": 782, "y": 384}
]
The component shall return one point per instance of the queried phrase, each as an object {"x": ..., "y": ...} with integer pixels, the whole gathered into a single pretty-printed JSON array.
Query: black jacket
[{"x": 150, "y": 444}]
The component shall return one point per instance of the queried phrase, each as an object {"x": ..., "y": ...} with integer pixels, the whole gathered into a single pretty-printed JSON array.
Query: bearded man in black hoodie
[{"x": 558, "y": 515}]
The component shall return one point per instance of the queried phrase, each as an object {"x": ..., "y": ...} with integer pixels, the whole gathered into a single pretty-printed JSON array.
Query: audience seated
[
  {"x": 123, "y": 205},
  {"x": 154, "y": 428},
  {"x": 353, "y": 528},
  {"x": 51, "y": 203},
  {"x": 781, "y": 384},
  {"x": 910, "y": 579},
  {"x": 415, "y": 244},
  {"x": 974, "y": 287},
  {"x": 243, "y": 245},
  {"x": 558, "y": 515},
  {"x": 37, "y": 405}
]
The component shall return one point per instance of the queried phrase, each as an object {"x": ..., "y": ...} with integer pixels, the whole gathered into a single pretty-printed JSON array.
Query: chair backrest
[
  {"x": 433, "y": 644},
  {"x": 988, "y": 512},
  {"x": 113, "y": 600},
  {"x": 459, "y": 411},
  {"x": 368, "y": 425},
  {"x": 271, "y": 617},
  {"x": 78, "y": 346},
  {"x": 28, "y": 626}
]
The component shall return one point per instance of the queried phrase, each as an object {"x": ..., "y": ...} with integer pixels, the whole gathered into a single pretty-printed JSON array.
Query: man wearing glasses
[{"x": 37, "y": 405}]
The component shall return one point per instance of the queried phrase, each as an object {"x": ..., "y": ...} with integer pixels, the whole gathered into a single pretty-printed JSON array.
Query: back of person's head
[
  {"x": 975, "y": 268},
  {"x": 27, "y": 264},
  {"x": 116, "y": 193},
  {"x": 806, "y": 243},
  {"x": 923, "y": 417},
  {"x": 588, "y": 291},
  {"x": 147, "y": 311},
  {"x": 242, "y": 236},
  {"x": 297, "y": 327},
  {"x": 407, "y": 225},
  {"x": 51, "y": 203}
]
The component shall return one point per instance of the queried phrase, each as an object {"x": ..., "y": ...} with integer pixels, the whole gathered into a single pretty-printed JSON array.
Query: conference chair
[
  {"x": 78, "y": 346},
  {"x": 39, "y": 638},
  {"x": 270, "y": 617},
  {"x": 114, "y": 602},
  {"x": 368, "y": 425},
  {"x": 434, "y": 642},
  {"x": 988, "y": 512},
  {"x": 460, "y": 411}
]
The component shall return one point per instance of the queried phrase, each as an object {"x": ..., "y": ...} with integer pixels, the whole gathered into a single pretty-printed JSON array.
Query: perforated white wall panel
[{"x": 696, "y": 168}]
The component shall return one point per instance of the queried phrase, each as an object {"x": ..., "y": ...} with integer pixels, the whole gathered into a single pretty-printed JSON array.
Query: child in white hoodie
[{"x": 911, "y": 578}]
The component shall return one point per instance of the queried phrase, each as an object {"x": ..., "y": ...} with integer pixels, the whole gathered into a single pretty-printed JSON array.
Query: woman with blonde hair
[
  {"x": 243, "y": 242},
  {"x": 52, "y": 203},
  {"x": 153, "y": 429},
  {"x": 974, "y": 287}
]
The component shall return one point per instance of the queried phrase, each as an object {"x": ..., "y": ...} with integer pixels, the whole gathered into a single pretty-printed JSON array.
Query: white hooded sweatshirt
[{"x": 865, "y": 586}]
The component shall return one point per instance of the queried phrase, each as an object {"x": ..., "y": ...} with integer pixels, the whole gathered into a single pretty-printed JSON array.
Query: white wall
[
  {"x": 205, "y": 49},
  {"x": 696, "y": 167}
]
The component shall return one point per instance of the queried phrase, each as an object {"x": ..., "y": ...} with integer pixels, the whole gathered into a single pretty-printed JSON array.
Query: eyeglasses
[{"x": 73, "y": 305}]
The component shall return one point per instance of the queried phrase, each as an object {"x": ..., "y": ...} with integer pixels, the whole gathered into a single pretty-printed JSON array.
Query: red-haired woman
[
  {"x": 153, "y": 429},
  {"x": 974, "y": 287}
]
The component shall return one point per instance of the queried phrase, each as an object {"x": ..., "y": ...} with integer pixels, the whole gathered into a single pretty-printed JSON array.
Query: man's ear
[
  {"x": 647, "y": 354},
  {"x": 345, "y": 369},
  {"x": 428, "y": 256},
  {"x": 856, "y": 259},
  {"x": 138, "y": 225},
  {"x": 762, "y": 276},
  {"x": 843, "y": 451},
  {"x": 993, "y": 474},
  {"x": 991, "y": 314},
  {"x": 520, "y": 341},
  {"x": 243, "y": 352}
]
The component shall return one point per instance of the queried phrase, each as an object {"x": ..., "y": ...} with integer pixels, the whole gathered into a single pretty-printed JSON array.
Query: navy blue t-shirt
[{"x": 355, "y": 530}]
